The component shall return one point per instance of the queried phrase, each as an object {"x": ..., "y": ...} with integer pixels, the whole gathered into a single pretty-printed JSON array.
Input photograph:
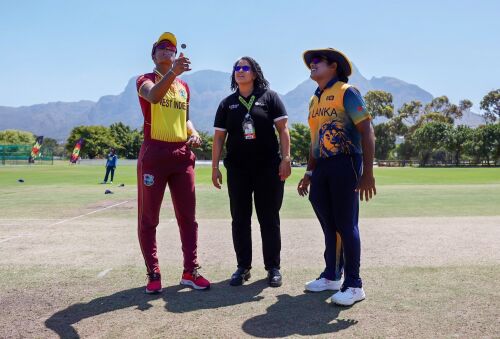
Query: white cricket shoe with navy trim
[
  {"x": 348, "y": 296},
  {"x": 323, "y": 284}
]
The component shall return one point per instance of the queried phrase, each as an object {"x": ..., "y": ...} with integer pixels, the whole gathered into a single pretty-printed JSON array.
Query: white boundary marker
[{"x": 89, "y": 213}]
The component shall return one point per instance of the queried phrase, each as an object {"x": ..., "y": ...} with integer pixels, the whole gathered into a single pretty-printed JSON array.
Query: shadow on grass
[
  {"x": 180, "y": 300},
  {"x": 177, "y": 299},
  {"x": 62, "y": 321},
  {"x": 304, "y": 314}
]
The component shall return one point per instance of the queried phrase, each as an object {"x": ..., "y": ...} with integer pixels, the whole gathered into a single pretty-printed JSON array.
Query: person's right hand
[
  {"x": 303, "y": 187},
  {"x": 216, "y": 178},
  {"x": 181, "y": 65}
]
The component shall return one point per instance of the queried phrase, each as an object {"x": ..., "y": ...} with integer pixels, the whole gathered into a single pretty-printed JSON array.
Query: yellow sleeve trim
[{"x": 369, "y": 117}]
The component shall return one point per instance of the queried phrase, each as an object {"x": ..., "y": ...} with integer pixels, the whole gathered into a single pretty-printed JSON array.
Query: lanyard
[{"x": 248, "y": 104}]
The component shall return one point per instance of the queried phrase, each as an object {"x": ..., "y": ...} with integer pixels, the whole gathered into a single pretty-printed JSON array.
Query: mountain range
[{"x": 208, "y": 88}]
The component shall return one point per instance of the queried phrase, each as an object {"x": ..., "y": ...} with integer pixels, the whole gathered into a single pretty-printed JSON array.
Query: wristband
[{"x": 309, "y": 173}]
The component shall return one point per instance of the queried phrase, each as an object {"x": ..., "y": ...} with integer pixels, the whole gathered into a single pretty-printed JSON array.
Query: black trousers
[
  {"x": 108, "y": 170},
  {"x": 267, "y": 190}
]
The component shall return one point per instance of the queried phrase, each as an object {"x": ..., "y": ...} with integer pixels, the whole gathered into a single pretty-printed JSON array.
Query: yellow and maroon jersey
[{"x": 166, "y": 120}]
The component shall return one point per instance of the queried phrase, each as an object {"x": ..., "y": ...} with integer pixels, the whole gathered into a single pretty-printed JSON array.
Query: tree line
[{"x": 426, "y": 133}]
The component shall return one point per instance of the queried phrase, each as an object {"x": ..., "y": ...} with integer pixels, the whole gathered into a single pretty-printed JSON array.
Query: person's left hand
[
  {"x": 285, "y": 169},
  {"x": 366, "y": 187},
  {"x": 303, "y": 186},
  {"x": 194, "y": 141}
]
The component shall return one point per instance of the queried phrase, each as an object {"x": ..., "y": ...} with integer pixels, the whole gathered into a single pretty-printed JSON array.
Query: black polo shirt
[{"x": 264, "y": 149}]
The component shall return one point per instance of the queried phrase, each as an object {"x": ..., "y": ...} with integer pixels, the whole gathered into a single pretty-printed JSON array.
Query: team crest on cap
[
  {"x": 149, "y": 179},
  {"x": 183, "y": 93}
]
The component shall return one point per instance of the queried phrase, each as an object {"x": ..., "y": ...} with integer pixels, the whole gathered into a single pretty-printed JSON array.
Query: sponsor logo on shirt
[
  {"x": 259, "y": 104},
  {"x": 235, "y": 106},
  {"x": 330, "y": 98}
]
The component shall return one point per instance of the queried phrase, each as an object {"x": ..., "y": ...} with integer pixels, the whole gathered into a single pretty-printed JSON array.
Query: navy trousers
[
  {"x": 336, "y": 205},
  {"x": 109, "y": 169}
]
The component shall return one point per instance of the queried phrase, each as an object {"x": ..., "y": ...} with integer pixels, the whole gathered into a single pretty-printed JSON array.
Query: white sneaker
[
  {"x": 323, "y": 284},
  {"x": 349, "y": 296}
]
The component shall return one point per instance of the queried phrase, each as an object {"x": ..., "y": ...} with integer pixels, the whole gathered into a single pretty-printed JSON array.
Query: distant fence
[
  {"x": 396, "y": 163},
  {"x": 20, "y": 155},
  {"x": 416, "y": 163}
]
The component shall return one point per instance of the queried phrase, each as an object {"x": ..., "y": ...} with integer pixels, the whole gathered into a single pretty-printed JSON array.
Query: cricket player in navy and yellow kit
[
  {"x": 339, "y": 171},
  {"x": 166, "y": 159}
]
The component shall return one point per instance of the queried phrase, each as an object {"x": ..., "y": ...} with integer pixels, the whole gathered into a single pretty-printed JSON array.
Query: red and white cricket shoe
[
  {"x": 195, "y": 280},
  {"x": 154, "y": 283}
]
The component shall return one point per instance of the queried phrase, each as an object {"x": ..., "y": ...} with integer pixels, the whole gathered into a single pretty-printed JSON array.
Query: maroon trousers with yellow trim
[{"x": 159, "y": 164}]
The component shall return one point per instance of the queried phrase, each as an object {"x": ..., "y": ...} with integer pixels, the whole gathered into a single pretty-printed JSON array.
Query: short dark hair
[
  {"x": 259, "y": 83},
  {"x": 341, "y": 75},
  {"x": 340, "y": 71}
]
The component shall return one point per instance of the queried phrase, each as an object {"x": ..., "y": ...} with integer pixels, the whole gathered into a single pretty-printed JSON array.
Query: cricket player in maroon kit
[{"x": 166, "y": 158}]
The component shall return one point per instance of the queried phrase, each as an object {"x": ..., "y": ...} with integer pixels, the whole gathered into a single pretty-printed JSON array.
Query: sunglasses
[
  {"x": 317, "y": 60},
  {"x": 166, "y": 45},
  {"x": 244, "y": 68}
]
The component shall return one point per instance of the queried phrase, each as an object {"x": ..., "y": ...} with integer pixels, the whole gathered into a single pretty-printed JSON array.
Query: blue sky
[{"x": 63, "y": 50}]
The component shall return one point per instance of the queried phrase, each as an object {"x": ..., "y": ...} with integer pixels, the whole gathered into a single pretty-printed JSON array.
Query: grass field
[
  {"x": 402, "y": 192},
  {"x": 70, "y": 264}
]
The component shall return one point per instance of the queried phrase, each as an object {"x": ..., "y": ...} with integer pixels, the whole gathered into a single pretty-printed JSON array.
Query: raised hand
[{"x": 181, "y": 65}]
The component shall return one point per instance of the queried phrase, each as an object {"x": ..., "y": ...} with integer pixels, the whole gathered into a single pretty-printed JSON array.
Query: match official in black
[{"x": 257, "y": 164}]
